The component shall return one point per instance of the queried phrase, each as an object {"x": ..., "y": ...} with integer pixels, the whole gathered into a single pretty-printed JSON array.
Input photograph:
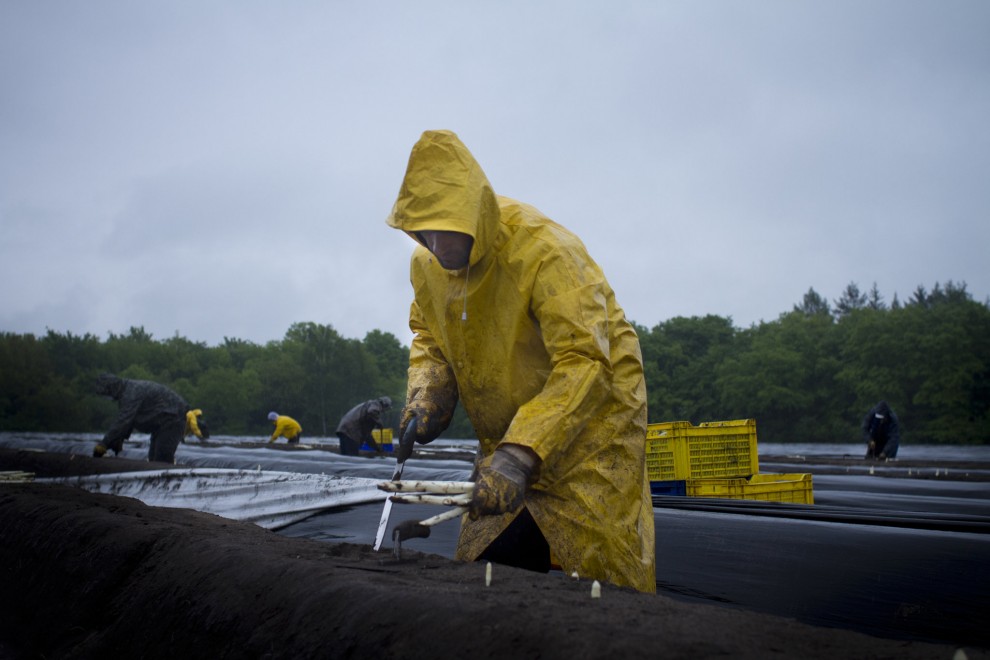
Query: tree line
[
  {"x": 808, "y": 376},
  {"x": 313, "y": 375}
]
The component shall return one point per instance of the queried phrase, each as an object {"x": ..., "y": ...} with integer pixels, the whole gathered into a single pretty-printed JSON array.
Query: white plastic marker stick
[
  {"x": 488, "y": 575},
  {"x": 596, "y": 589}
]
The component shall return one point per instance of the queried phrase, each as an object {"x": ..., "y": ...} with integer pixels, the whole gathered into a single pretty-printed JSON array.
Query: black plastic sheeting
[
  {"x": 883, "y": 554},
  {"x": 891, "y": 579},
  {"x": 924, "y": 520}
]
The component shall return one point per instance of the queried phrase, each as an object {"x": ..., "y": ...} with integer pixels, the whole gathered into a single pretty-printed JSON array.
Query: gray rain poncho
[{"x": 145, "y": 407}]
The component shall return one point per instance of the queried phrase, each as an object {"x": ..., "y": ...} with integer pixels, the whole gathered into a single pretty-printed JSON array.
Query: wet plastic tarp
[{"x": 270, "y": 499}]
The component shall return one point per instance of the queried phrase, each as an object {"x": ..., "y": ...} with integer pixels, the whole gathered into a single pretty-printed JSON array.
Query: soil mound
[{"x": 94, "y": 576}]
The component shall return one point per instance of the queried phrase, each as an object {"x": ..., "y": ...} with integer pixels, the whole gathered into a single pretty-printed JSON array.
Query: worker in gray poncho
[{"x": 145, "y": 407}]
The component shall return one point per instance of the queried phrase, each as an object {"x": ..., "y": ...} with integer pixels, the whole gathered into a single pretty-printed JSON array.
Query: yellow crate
[
  {"x": 768, "y": 487},
  {"x": 385, "y": 443},
  {"x": 681, "y": 450}
]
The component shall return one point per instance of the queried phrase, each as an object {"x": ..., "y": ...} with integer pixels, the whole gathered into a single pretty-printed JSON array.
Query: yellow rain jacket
[
  {"x": 285, "y": 427},
  {"x": 192, "y": 423},
  {"x": 531, "y": 340}
]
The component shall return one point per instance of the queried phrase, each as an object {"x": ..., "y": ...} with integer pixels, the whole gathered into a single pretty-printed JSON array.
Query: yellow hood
[{"x": 446, "y": 190}]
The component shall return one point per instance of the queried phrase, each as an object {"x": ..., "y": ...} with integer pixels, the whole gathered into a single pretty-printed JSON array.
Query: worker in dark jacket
[
  {"x": 882, "y": 432},
  {"x": 145, "y": 407},
  {"x": 356, "y": 426}
]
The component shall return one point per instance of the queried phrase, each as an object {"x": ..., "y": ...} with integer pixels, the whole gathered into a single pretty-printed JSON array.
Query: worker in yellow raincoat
[
  {"x": 513, "y": 317},
  {"x": 285, "y": 427},
  {"x": 196, "y": 425}
]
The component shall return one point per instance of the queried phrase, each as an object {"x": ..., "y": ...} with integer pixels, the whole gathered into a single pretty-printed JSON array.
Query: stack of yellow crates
[
  {"x": 716, "y": 459},
  {"x": 383, "y": 437}
]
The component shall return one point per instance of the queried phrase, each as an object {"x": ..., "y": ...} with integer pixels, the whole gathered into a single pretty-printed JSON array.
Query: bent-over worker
[
  {"x": 285, "y": 427},
  {"x": 146, "y": 407},
  {"x": 357, "y": 424},
  {"x": 513, "y": 317},
  {"x": 196, "y": 425},
  {"x": 881, "y": 432}
]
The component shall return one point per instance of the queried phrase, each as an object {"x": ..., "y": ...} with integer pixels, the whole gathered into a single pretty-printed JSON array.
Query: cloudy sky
[{"x": 224, "y": 168}]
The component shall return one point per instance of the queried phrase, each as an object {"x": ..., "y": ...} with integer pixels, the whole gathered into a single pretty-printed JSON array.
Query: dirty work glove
[
  {"x": 430, "y": 421},
  {"x": 501, "y": 487}
]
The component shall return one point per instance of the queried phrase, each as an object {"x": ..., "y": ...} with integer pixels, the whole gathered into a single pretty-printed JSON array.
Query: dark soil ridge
[{"x": 88, "y": 575}]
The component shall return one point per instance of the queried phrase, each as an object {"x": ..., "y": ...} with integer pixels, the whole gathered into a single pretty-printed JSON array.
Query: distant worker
[
  {"x": 882, "y": 432},
  {"x": 196, "y": 425},
  {"x": 514, "y": 320},
  {"x": 285, "y": 427},
  {"x": 357, "y": 425},
  {"x": 145, "y": 407}
]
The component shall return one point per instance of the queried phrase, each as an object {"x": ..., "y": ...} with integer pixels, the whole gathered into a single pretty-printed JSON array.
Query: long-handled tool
[{"x": 401, "y": 454}]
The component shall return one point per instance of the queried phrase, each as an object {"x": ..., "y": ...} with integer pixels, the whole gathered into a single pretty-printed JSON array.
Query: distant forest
[{"x": 808, "y": 376}]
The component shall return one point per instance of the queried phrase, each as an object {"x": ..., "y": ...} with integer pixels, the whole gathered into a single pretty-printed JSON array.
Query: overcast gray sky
[{"x": 224, "y": 169}]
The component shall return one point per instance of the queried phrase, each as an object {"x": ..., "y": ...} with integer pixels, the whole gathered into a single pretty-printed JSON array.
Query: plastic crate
[
  {"x": 681, "y": 450},
  {"x": 768, "y": 487},
  {"x": 386, "y": 443}
]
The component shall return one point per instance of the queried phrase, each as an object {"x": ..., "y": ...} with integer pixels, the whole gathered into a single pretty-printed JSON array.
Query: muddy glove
[
  {"x": 430, "y": 421},
  {"x": 501, "y": 487}
]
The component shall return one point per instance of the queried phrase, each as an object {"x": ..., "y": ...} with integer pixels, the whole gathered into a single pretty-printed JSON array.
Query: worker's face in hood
[
  {"x": 109, "y": 385},
  {"x": 445, "y": 192},
  {"x": 452, "y": 249}
]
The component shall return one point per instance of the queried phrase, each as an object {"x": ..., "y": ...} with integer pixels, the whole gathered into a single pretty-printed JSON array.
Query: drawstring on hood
[{"x": 467, "y": 278}]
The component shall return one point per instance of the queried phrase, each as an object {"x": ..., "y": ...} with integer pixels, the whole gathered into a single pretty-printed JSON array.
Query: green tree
[
  {"x": 785, "y": 378},
  {"x": 229, "y": 400},
  {"x": 874, "y": 300},
  {"x": 813, "y": 304},
  {"x": 318, "y": 348},
  {"x": 679, "y": 358},
  {"x": 850, "y": 300},
  {"x": 25, "y": 371}
]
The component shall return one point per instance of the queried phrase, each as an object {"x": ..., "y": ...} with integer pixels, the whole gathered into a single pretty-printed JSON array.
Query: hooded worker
[
  {"x": 881, "y": 432},
  {"x": 145, "y": 407},
  {"x": 512, "y": 317},
  {"x": 196, "y": 425},
  {"x": 285, "y": 427},
  {"x": 357, "y": 424}
]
